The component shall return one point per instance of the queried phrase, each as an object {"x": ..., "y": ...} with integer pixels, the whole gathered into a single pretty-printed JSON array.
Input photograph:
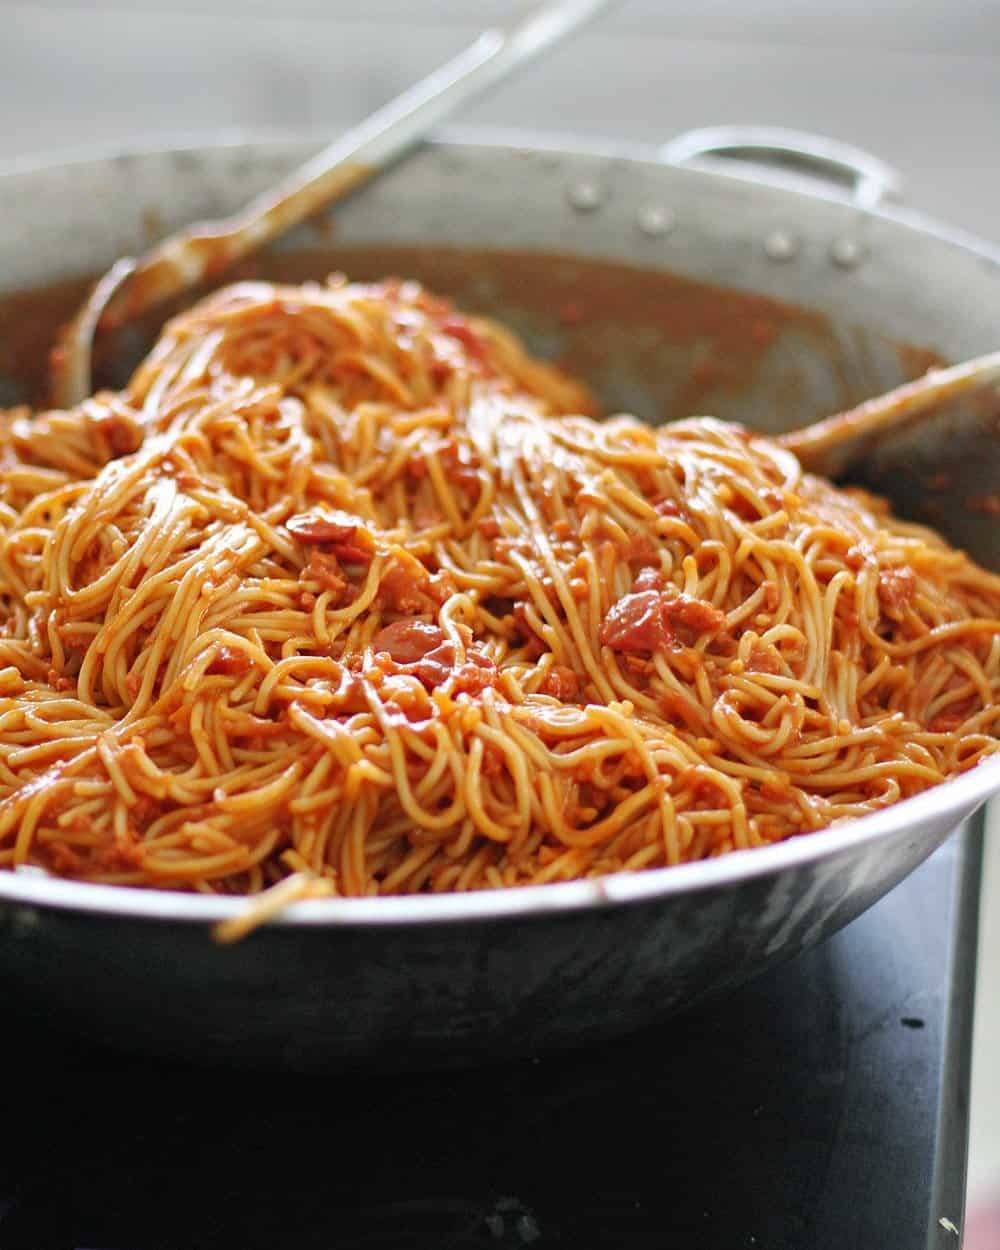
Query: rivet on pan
[
  {"x": 847, "y": 253},
  {"x": 585, "y": 196},
  {"x": 654, "y": 220},
  {"x": 781, "y": 245}
]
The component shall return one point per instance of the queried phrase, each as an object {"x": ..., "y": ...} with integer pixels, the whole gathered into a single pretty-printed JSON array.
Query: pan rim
[
  {"x": 948, "y": 803},
  {"x": 512, "y": 141}
]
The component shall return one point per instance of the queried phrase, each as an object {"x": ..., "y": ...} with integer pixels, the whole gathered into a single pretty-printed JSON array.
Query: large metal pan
[{"x": 601, "y": 257}]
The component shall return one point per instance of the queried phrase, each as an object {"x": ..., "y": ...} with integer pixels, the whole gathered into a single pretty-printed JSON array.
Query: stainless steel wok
[{"x": 600, "y": 257}]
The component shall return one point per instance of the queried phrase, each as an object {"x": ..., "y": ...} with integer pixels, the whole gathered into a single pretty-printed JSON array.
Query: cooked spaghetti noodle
[{"x": 339, "y": 589}]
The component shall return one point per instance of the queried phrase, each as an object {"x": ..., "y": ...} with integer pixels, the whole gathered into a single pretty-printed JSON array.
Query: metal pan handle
[{"x": 869, "y": 179}]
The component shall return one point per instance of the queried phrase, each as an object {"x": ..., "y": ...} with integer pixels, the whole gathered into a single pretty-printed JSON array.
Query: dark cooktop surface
[{"x": 821, "y": 1108}]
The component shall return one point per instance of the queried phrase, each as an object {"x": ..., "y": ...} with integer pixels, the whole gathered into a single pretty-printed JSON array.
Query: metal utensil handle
[
  {"x": 830, "y": 446},
  {"x": 494, "y": 55},
  {"x": 356, "y": 156},
  {"x": 187, "y": 258},
  {"x": 870, "y": 178}
]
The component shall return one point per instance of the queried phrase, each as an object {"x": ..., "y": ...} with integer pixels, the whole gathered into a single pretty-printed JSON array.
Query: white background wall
[{"x": 915, "y": 81}]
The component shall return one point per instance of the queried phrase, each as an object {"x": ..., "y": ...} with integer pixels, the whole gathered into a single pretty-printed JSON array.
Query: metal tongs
[{"x": 187, "y": 258}]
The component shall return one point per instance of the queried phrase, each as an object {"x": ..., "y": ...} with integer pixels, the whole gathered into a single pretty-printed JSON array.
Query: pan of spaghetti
[{"x": 374, "y": 687}]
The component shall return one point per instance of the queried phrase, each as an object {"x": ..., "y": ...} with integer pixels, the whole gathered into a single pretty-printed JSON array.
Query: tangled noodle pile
[{"x": 339, "y": 586}]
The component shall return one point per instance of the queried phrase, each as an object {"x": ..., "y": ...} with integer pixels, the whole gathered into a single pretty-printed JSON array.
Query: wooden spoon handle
[{"x": 828, "y": 447}]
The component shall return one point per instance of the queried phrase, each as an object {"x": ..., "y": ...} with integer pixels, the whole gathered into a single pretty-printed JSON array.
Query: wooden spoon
[{"x": 830, "y": 446}]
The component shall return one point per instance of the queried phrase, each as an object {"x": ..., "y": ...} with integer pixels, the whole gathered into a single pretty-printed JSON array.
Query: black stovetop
[{"x": 824, "y": 1107}]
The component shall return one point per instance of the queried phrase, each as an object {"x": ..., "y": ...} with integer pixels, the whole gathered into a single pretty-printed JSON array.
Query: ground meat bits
[
  {"x": 229, "y": 661},
  {"x": 694, "y": 614},
  {"x": 344, "y": 534},
  {"x": 418, "y": 649},
  {"x": 637, "y": 622},
  {"x": 324, "y": 568},
  {"x": 406, "y": 586},
  {"x": 644, "y": 621},
  {"x": 560, "y": 682},
  {"x": 313, "y": 527},
  {"x": 896, "y": 589},
  {"x": 408, "y": 641}
]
